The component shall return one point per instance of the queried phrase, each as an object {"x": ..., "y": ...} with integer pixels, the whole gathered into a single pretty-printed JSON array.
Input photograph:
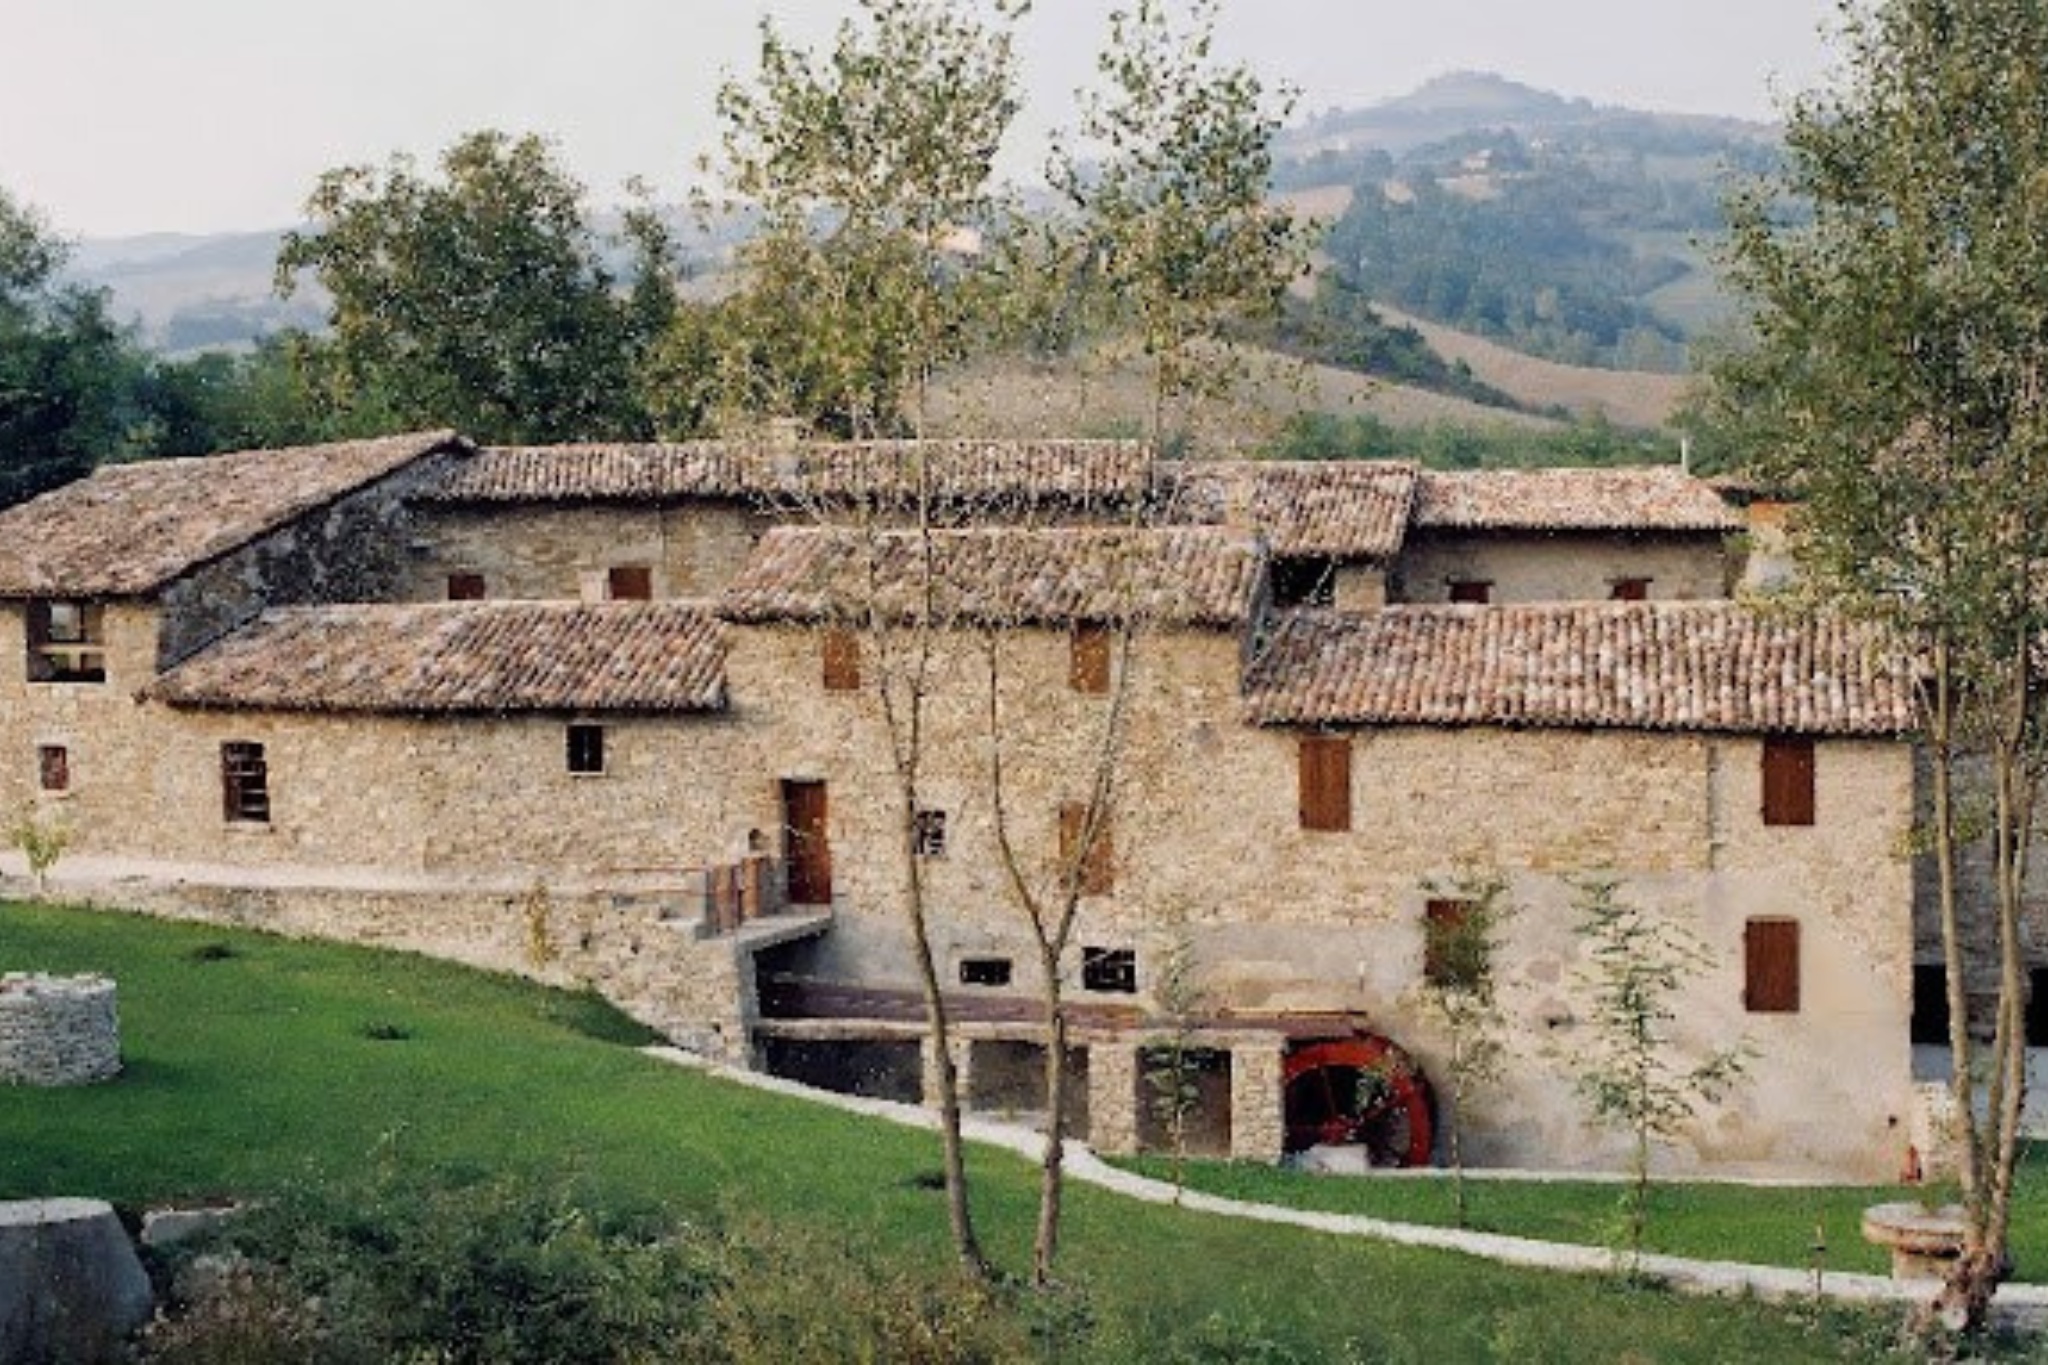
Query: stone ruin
[{"x": 57, "y": 1030}]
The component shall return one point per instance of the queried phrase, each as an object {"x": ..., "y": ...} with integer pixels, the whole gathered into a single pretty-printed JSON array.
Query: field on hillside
[
  {"x": 257, "y": 1065},
  {"x": 1105, "y": 396}
]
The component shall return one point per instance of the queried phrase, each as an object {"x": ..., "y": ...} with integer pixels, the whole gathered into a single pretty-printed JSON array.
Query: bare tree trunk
[{"x": 1052, "y": 1166}]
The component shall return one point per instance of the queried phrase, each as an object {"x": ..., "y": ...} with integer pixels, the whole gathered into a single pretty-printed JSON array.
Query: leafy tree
[
  {"x": 1630, "y": 1074},
  {"x": 68, "y": 374},
  {"x": 482, "y": 299},
  {"x": 870, "y": 167},
  {"x": 223, "y": 401},
  {"x": 862, "y": 163},
  {"x": 1172, "y": 223},
  {"x": 1896, "y": 385}
]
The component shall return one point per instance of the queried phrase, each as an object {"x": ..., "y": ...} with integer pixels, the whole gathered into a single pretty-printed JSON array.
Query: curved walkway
[{"x": 2018, "y": 1305}]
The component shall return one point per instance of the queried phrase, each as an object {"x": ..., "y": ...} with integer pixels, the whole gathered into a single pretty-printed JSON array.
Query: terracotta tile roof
[
  {"x": 1342, "y": 509},
  {"x": 1199, "y": 576},
  {"x": 129, "y": 529},
  {"x": 1657, "y": 498},
  {"x": 472, "y": 657},
  {"x": 961, "y": 470},
  {"x": 1714, "y": 666}
]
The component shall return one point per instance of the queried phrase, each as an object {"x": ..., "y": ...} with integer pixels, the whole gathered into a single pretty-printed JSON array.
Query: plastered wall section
[
  {"x": 564, "y": 552},
  {"x": 1562, "y": 567}
]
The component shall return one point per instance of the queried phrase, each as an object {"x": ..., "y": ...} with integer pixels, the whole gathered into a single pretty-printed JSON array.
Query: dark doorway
[{"x": 804, "y": 844}]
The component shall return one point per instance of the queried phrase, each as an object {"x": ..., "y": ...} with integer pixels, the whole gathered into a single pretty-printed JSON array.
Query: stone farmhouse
[{"x": 616, "y": 714}]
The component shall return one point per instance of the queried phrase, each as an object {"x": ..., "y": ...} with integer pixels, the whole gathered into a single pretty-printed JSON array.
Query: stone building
[{"x": 636, "y": 715}]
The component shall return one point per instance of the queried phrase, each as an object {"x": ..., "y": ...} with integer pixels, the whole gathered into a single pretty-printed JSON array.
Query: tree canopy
[{"x": 482, "y": 298}]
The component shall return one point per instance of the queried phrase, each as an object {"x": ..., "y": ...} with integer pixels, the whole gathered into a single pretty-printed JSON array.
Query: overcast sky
[{"x": 130, "y": 116}]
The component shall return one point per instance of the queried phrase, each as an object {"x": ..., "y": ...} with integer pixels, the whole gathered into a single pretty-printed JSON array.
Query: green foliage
[
  {"x": 1589, "y": 441},
  {"x": 1631, "y": 1074},
  {"x": 1173, "y": 1069},
  {"x": 68, "y": 374},
  {"x": 1172, "y": 224},
  {"x": 41, "y": 837},
  {"x": 481, "y": 299},
  {"x": 865, "y": 166},
  {"x": 1463, "y": 994},
  {"x": 1340, "y": 327}
]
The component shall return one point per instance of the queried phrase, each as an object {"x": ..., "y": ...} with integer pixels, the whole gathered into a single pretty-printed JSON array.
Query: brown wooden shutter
[
  {"x": 1098, "y": 866},
  {"x": 630, "y": 583},
  {"x": 54, "y": 762},
  {"x": 841, "y": 656},
  {"x": 1088, "y": 659},
  {"x": 1325, "y": 782},
  {"x": 1788, "y": 780},
  {"x": 1471, "y": 590},
  {"x": 1770, "y": 958},
  {"x": 1631, "y": 589},
  {"x": 1442, "y": 920}
]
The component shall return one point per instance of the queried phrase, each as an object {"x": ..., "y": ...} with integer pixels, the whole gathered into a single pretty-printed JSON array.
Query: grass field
[{"x": 255, "y": 1063}]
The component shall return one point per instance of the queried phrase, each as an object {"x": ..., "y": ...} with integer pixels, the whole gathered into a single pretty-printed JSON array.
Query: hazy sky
[{"x": 128, "y": 116}]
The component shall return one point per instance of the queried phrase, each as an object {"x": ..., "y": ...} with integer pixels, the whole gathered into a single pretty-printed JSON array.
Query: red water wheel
[{"x": 1362, "y": 1091}]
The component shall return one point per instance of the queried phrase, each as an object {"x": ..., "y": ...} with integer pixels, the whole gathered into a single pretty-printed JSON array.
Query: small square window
[
  {"x": 586, "y": 749},
  {"x": 1930, "y": 1004},
  {"x": 1630, "y": 590},
  {"x": 928, "y": 834},
  {"x": 53, "y": 765},
  {"x": 1304, "y": 582},
  {"x": 245, "y": 783},
  {"x": 66, "y": 641},
  {"x": 465, "y": 587},
  {"x": 1471, "y": 590},
  {"x": 985, "y": 971},
  {"x": 1111, "y": 970},
  {"x": 630, "y": 583},
  {"x": 1770, "y": 966}
]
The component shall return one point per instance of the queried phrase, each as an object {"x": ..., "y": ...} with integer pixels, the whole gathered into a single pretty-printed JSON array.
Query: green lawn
[
  {"x": 250, "y": 1070},
  {"x": 1765, "y": 1226}
]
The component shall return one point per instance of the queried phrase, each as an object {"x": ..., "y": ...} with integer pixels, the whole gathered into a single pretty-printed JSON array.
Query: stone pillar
[
  {"x": 1113, "y": 1098},
  {"x": 963, "y": 1053},
  {"x": 1258, "y": 1129}
]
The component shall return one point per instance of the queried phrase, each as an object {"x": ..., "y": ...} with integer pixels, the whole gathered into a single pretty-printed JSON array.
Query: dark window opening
[
  {"x": 841, "y": 661},
  {"x": 1930, "y": 1006},
  {"x": 66, "y": 642},
  {"x": 928, "y": 834},
  {"x": 1452, "y": 955},
  {"x": 1096, "y": 870},
  {"x": 1113, "y": 970},
  {"x": 1788, "y": 780},
  {"x": 586, "y": 749},
  {"x": 2037, "y": 1007},
  {"x": 465, "y": 587},
  {"x": 1471, "y": 590},
  {"x": 245, "y": 783},
  {"x": 630, "y": 583},
  {"x": 53, "y": 766},
  {"x": 1304, "y": 582},
  {"x": 985, "y": 971},
  {"x": 1325, "y": 782},
  {"x": 1770, "y": 958},
  {"x": 1088, "y": 659},
  {"x": 1631, "y": 590}
]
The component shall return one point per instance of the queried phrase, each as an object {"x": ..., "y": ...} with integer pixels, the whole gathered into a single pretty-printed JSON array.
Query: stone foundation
[{"x": 58, "y": 1030}]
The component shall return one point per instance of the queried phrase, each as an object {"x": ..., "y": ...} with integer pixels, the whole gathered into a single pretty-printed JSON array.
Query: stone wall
[
  {"x": 566, "y": 551},
  {"x": 1562, "y": 566},
  {"x": 58, "y": 1030}
]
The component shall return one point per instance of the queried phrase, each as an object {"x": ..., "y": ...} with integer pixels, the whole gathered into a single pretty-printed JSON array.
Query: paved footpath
[{"x": 2018, "y": 1305}]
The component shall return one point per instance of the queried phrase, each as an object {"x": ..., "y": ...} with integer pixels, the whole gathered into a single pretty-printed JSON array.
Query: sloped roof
[
  {"x": 1341, "y": 509},
  {"x": 980, "y": 472},
  {"x": 129, "y": 529},
  {"x": 1654, "y": 498},
  {"x": 1190, "y": 576},
  {"x": 1712, "y": 666},
  {"x": 463, "y": 657}
]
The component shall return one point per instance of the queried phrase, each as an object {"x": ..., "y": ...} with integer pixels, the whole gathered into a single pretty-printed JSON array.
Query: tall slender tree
[{"x": 1896, "y": 384}]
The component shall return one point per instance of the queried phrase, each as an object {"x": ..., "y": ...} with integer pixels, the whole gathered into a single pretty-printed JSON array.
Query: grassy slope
[{"x": 255, "y": 1069}]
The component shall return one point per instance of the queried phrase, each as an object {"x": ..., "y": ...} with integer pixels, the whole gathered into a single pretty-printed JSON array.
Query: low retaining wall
[{"x": 58, "y": 1030}]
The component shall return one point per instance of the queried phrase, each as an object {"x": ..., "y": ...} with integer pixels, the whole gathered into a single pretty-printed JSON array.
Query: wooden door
[{"x": 804, "y": 844}]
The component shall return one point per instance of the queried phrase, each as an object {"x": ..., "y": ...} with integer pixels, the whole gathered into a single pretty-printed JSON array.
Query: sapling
[
  {"x": 1173, "y": 1067},
  {"x": 1633, "y": 1074},
  {"x": 1459, "y": 987},
  {"x": 42, "y": 840}
]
